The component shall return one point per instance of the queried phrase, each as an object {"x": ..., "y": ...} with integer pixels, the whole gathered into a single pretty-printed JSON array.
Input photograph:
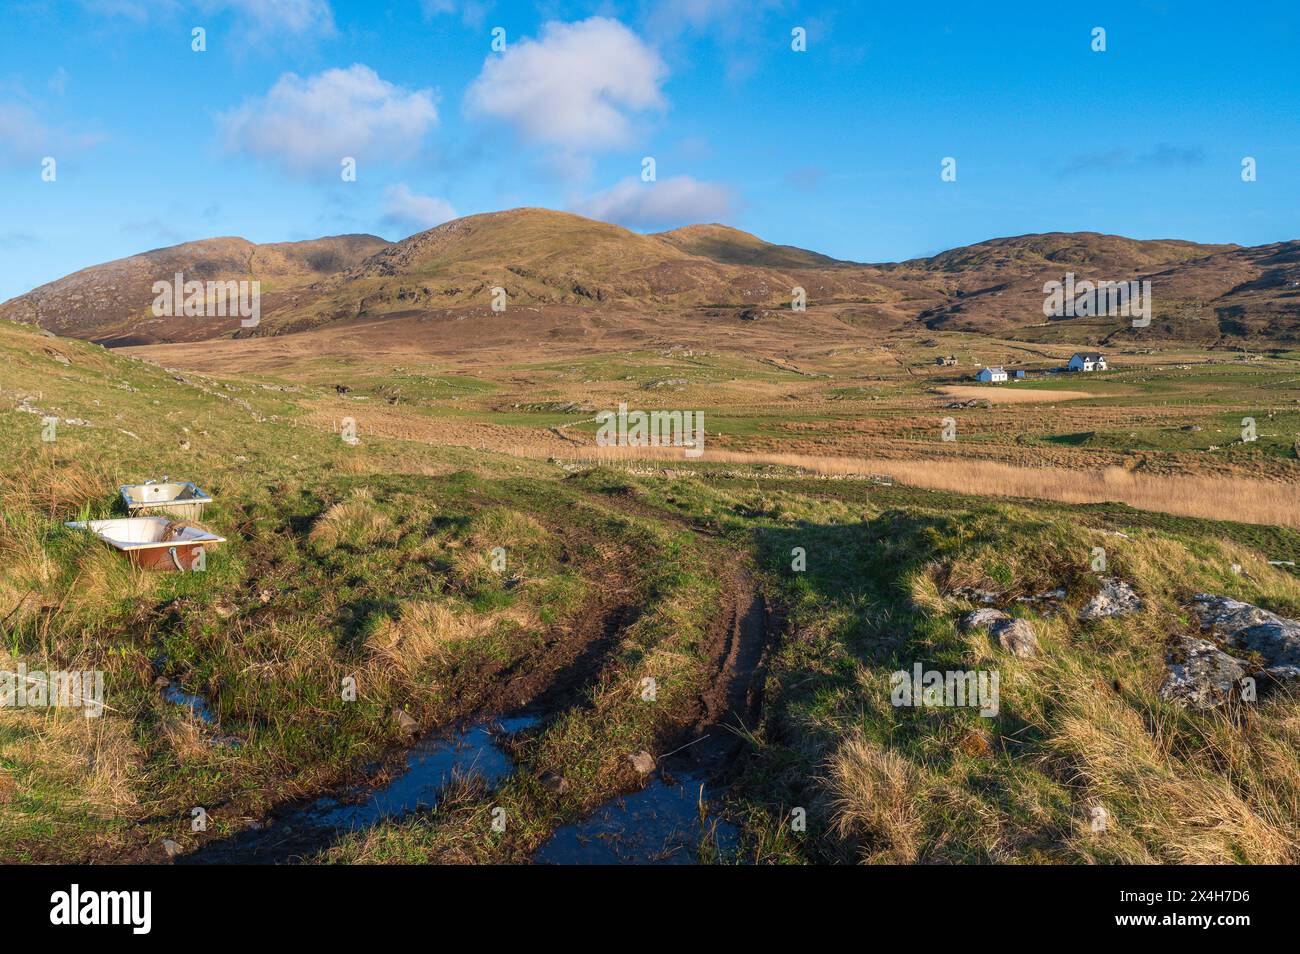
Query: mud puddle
[
  {"x": 430, "y": 765},
  {"x": 667, "y": 822},
  {"x": 670, "y": 821},
  {"x": 196, "y": 704}
]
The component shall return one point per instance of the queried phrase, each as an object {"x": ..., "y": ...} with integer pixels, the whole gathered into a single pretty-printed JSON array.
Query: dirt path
[
  {"x": 732, "y": 704},
  {"x": 558, "y": 677}
]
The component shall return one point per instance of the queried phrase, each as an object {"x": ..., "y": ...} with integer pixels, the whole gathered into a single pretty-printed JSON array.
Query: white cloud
[
  {"x": 408, "y": 209},
  {"x": 670, "y": 18},
  {"x": 24, "y": 138},
  {"x": 299, "y": 17},
  {"x": 575, "y": 87},
  {"x": 473, "y": 13},
  {"x": 311, "y": 124},
  {"x": 296, "y": 17},
  {"x": 676, "y": 201},
  {"x": 21, "y": 133}
]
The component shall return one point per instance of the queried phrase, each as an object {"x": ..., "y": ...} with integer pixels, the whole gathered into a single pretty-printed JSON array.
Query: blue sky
[{"x": 837, "y": 148}]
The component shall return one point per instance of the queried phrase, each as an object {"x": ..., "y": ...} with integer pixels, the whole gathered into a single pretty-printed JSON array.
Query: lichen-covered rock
[
  {"x": 1018, "y": 638},
  {"x": 975, "y": 595},
  {"x": 1116, "y": 598},
  {"x": 984, "y": 619},
  {"x": 1201, "y": 674},
  {"x": 1248, "y": 628}
]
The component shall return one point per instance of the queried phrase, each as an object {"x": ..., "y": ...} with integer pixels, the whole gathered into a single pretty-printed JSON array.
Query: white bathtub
[{"x": 145, "y": 541}]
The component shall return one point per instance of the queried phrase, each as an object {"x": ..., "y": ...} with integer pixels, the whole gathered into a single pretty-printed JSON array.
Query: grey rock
[
  {"x": 405, "y": 723},
  {"x": 975, "y": 595},
  {"x": 987, "y": 618},
  {"x": 1247, "y": 628},
  {"x": 1201, "y": 674},
  {"x": 1018, "y": 638},
  {"x": 172, "y": 848},
  {"x": 1116, "y": 598},
  {"x": 643, "y": 762}
]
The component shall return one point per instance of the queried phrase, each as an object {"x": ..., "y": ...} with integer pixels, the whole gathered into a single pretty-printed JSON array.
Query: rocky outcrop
[
  {"x": 1201, "y": 674},
  {"x": 1250, "y": 629},
  {"x": 1204, "y": 673},
  {"x": 1016, "y": 636},
  {"x": 984, "y": 619},
  {"x": 1115, "y": 598}
]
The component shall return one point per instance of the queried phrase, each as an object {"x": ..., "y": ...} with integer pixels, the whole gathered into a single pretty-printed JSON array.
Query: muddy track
[
  {"x": 731, "y": 706},
  {"x": 740, "y": 641},
  {"x": 544, "y": 683},
  {"x": 559, "y": 677}
]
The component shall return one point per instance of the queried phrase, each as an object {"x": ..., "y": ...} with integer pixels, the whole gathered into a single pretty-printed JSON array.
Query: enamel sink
[{"x": 178, "y": 500}]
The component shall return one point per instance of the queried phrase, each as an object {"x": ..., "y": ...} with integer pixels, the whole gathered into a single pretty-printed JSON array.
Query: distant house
[
  {"x": 946, "y": 359},
  {"x": 1087, "y": 361},
  {"x": 991, "y": 375},
  {"x": 1020, "y": 375}
]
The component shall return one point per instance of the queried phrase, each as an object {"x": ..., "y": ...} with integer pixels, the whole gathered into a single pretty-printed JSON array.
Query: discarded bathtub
[
  {"x": 180, "y": 501},
  {"x": 152, "y": 543}
]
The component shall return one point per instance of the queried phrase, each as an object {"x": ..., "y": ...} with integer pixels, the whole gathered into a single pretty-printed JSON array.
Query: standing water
[
  {"x": 430, "y": 764},
  {"x": 661, "y": 824}
]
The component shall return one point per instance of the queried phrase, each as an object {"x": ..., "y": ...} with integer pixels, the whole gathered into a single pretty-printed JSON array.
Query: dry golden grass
[
  {"x": 877, "y": 796},
  {"x": 91, "y": 761},
  {"x": 1216, "y": 498},
  {"x": 1007, "y": 394},
  {"x": 1162, "y": 809},
  {"x": 355, "y": 523},
  {"x": 422, "y": 633}
]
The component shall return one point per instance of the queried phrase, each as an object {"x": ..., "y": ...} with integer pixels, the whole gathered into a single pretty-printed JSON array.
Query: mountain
[
  {"x": 1211, "y": 293},
  {"x": 734, "y": 247},
  {"x": 112, "y": 303}
]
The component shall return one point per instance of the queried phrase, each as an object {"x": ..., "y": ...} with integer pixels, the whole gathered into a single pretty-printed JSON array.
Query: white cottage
[
  {"x": 991, "y": 375},
  {"x": 1087, "y": 361}
]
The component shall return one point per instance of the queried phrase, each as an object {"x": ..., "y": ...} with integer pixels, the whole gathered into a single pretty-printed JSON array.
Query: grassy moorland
[{"x": 377, "y": 565}]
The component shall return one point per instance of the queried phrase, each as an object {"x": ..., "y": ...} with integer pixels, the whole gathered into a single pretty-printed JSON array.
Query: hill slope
[
  {"x": 111, "y": 303},
  {"x": 1212, "y": 294}
]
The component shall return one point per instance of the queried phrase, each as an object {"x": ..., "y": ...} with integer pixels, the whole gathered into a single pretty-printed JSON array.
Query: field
[{"x": 474, "y": 568}]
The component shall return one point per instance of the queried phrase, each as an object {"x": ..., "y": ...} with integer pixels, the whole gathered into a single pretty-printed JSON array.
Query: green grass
[{"x": 375, "y": 563}]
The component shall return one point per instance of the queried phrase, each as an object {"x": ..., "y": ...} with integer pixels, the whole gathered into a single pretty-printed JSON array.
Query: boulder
[
  {"x": 1018, "y": 638},
  {"x": 1115, "y": 598},
  {"x": 553, "y": 782},
  {"x": 1201, "y": 674},
  {"x": 987, "y": 618},
  {"x": 1247, "y": 628},
  {"x": 643, "y": 762},
  {"x": 405, "y": 723}
]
